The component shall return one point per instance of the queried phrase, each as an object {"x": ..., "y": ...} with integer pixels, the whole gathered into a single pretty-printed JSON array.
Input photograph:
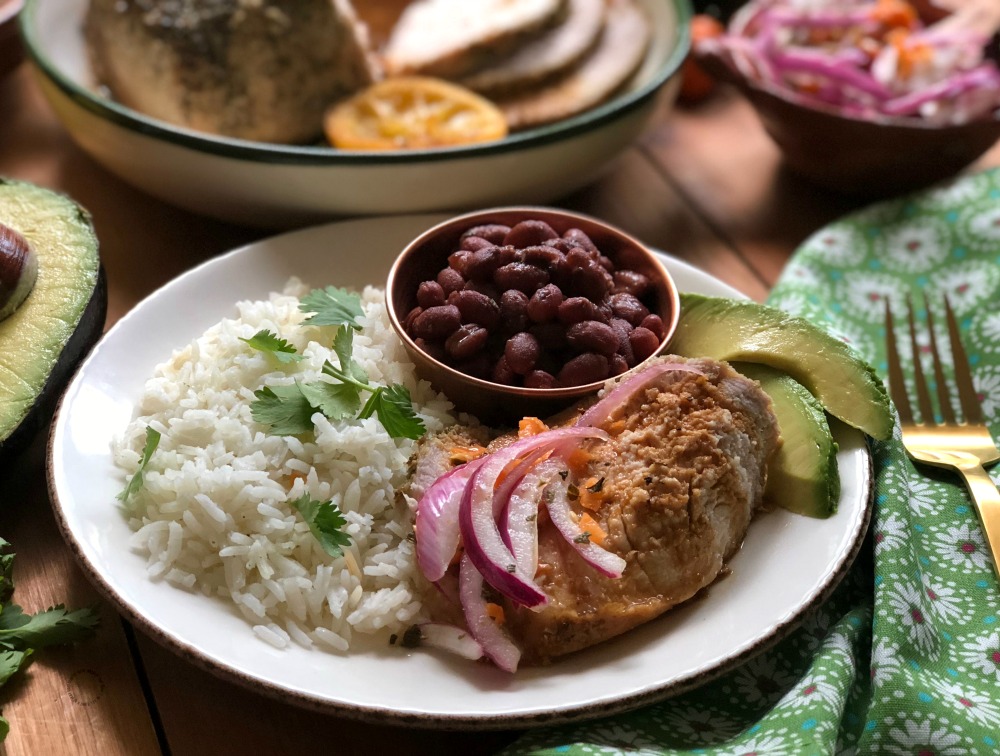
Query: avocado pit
[{"x": 18, "y": 270}]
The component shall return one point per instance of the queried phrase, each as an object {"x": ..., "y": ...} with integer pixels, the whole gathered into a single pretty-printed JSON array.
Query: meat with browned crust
[{"x": 683, "y": 474}]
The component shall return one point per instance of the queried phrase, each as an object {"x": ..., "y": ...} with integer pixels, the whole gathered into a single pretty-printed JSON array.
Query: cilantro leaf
[
  {"x": 325, "y": 521},
  {"x": 270, "y": 343},
  {"x": 6, "y": 573},
  {"x": 394, "y": 409},
  {"x": 133, "y": 486},
  {"x": 52, "y": 627},
  {"x": 10, "y": 663},
  {"x": 331, "y": 306},
  {"x": 335, "y": 400},
  {"x": 284, "y": 408},
  {"x": 343, "y": 346}
]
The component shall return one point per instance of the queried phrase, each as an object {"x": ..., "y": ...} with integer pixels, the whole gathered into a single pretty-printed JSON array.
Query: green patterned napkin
[{"x": 905, "y": 657}]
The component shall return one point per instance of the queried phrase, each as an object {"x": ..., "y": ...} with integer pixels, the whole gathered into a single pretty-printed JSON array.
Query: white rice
[{"x": 214, "y": 514}]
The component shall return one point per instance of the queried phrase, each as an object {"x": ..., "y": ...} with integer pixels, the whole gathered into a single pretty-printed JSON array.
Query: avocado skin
[
  {"x": 736, "y": 330},
  {"x": 803, "y": 475},
  {"x": 87, "y": 331}
]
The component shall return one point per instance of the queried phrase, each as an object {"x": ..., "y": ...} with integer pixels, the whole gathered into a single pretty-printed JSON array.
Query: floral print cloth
[{"x": 905, "y": 656}]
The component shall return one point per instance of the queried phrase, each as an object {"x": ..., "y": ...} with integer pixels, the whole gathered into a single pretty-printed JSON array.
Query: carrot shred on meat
[
  {"x": 466, "y": 453},
  {"x": 894, "y": 13},
  {"x": 530, "y": 426},
  {"x": 578, "y": 461},
  {"x": 589, "y": 499},
  {"x": 495, "y": 613},
  {"x": 589, "y": 526}
]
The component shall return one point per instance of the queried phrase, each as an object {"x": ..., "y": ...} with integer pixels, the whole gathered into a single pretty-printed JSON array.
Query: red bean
[
  {"x": 410, "y": 317},
  {"x": 521, "y": 351},
  {"x": 521, "y": 276},
  {"x": 574, "y": 309},
  {"x": 584, "y": 368},
  {"x": 644, "y": 343},
  {"x": 459, "y": 260},
  {"x": 631, "y": 282},
  {"x": 472, "y": 243},
  {"x": 550, "y": 335},
  {"x": 592, "y": 336},
  {"x": 624, "y": 329},
  {"x": 430, "y": 294},
  {"x": 617, "y": 364},
  {"x": 580, "y": 239},
  {"x": 587, "y": 279},
  {"x": 509, "y": 254},
  {"x": 450, "y": 280},
  {"x": 627, "y": 307},
  {"x": 539, "y": 379},
  {"x": 605, "y": 262},
  {"x": 655, "y": 324},
  {"x": 502, "y": 373},
  {"x": 544, "y": 304},
  {"x": 436, "y": 323},
  {"x": 466, "y": 341},
  {"x": 480, "y": 366},
  {"x": 432, "y": 349},
  {"x": 483, "y": 263},
  {"x": 476, "y": 308},
  {"x": 486, "y": 289},
  {"x": 513, "y": 311},
  {"x": 542, "y": 256},
  {"x": 491, "y": 232},
  {"x": 530, "y": 232}
]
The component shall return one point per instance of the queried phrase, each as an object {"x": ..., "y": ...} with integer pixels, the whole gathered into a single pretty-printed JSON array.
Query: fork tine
[
  {"x": 966, "y": 391},
  {"x": 923, "y": 396},
  {"x": 897, "y": 387},
  {"x": 947, "y": 415}
]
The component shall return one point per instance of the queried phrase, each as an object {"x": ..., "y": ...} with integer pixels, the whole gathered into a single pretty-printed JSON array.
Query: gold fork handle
[{"x": 987, "y": 499}]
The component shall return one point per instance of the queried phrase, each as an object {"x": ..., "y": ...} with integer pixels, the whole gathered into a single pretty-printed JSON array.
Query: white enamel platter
[{"x": 787, "y": 564}]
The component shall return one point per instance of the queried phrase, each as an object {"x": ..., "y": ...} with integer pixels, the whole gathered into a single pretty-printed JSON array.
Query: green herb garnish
[
  {"x": 584, "y": 537},
  {"x": 135, "y": 483},
  {"x": 325, "y": 521},
  {"x": 270, "y": 343},
  {"x": 332, "y": 306},
  {"x": 21, "y": 634}
]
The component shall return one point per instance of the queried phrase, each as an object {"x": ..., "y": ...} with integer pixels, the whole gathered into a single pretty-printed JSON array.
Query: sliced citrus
[{"x": 413, "y": 112}]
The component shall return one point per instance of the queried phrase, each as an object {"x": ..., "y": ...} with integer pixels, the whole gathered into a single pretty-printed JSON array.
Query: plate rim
[{"x": 427, "y": 720}]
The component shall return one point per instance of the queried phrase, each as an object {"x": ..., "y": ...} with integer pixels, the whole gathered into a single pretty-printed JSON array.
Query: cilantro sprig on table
[
  {"x": 21, "y": 634},
  {"x": 288, "y": 410}
]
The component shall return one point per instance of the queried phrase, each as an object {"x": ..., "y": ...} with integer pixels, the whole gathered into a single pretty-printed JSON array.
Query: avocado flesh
[
  {"x": 744, "y": 331},
  {"x": 61, "y": 318},
  {"x": 802, "y": 476}
]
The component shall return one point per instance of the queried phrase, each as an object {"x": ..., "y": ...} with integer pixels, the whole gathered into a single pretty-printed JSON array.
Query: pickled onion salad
[{"x": 865, "y": 58}]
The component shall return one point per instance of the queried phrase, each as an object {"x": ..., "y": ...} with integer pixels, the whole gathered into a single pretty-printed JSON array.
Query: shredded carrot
[
  {"x": 909, "y": 55},
  {"x": 578, "y": 461},
  {"x": 530, "y": 426},
  {"x": 466, "y": 453},
  {"x": 616, "y": 427},
  {"x": 495, "y": 613},
  {"x": 589, "y": 525},
  {"x": 296, "y": 475},
  {"x": 894, "y": 13},
  {"x": 591, "y": 500}
]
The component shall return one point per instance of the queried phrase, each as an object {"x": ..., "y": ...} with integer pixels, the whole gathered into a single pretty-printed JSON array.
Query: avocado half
[
  {"x": 62, "y": 317},
  {"x": 738, "y": 330}
]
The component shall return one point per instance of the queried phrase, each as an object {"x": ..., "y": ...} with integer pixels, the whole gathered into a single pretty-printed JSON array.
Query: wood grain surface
[{"x": 704, "y": 183}]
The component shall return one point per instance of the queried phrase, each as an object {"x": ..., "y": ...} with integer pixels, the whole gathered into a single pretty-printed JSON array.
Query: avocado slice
[
  {"x": 738, "y": 330},
  {"x": 59, "y": 320},
  {"x": 802, "y": 476}
]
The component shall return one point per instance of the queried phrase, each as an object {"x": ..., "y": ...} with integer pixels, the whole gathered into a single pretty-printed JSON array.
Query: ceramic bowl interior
[
  {"x": 866, "y": 158},
  {"x": 426, "y": 255},
  {"x": 268, "y": 184}
]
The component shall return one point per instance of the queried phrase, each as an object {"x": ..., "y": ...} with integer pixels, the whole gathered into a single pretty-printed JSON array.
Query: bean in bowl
[{"x": 524, "y": 305}]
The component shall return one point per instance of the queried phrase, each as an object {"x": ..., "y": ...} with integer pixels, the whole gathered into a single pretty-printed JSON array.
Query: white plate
[{"x": 787, "y": 564}]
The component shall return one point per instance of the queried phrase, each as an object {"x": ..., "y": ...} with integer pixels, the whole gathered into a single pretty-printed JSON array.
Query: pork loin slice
[
  {"x": 683, "y": 474},
  {"x": 452, "y": 38},
  {"x": 606, "y": 69},
  {"x": 262, "y": 70},
  {"x": 545, "y": 57}
]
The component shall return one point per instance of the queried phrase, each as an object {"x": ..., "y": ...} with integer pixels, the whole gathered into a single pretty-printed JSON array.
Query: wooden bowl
[
  {"x": 492, "y": 402},
  {"x": 11, "y": 50}
]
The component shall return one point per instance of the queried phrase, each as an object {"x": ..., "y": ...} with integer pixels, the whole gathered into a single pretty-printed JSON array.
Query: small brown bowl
[
  {"x": 426, "y": 255},
  {"x": 11, "y": 50},
  {"x": 868, "y": 158}
]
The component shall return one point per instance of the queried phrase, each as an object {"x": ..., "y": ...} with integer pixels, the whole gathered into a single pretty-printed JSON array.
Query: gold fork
[{"x": 963, "y": 446}]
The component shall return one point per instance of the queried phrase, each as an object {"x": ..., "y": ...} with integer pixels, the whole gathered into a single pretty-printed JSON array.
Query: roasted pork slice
[
  {"x": 452, "y": 38},
  {"x": 545, "y": 57},
  {"x": 617, "y": 56},
  {"x": 676, "y": 486},
  {"x": 253, "y": 69}
]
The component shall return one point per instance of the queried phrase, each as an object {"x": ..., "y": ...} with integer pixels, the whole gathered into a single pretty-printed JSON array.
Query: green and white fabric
[{"x": 905, "y": 657}]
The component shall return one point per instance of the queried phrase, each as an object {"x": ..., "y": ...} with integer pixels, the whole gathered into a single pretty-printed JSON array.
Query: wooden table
[{"x": 704, "y": 183}]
